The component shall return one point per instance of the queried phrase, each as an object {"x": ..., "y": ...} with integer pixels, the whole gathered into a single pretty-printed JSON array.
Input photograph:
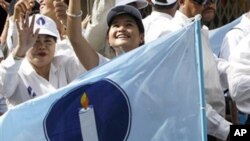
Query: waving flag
[
  {"x": 216, "y": 35},
  {"x": 154, "y": 92}
]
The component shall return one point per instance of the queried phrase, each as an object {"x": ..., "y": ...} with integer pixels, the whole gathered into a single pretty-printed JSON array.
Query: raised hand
[
  {"x": 5, "y": 5},
  {"x": 26, "y": 37},
  {"x": 22, "y": 7},
  {"x": 60, "y": 10}
]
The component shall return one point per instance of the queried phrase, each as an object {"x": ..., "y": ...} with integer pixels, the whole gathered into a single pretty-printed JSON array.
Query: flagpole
[{"x": 198, "y": 45}]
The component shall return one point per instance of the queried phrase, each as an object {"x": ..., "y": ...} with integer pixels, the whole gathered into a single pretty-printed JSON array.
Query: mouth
[
  {"x": 209, "y": 10},
  {"x": 42, "y": 54},
  {"x": 122, "y": 36}
]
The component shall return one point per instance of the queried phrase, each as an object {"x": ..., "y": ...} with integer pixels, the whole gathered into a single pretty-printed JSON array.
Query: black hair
[{"x": 53, "y": 37}]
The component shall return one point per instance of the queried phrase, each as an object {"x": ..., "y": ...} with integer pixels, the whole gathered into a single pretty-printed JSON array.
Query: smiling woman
[
  {"x": 33, "y": 69},
  {"x": 125, "y": 32}
]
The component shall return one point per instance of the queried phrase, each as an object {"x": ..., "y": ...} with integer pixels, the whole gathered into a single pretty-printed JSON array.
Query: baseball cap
[
  {"x": 140, "y": 3},
  {"x": 47, "y": 25},
  {"x": 125, "y": 9},
  {"x": 165, "y": 3}
]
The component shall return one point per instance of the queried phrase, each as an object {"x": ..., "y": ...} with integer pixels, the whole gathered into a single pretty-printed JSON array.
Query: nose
[
  {"x": 121, "y": 28},
  {"x": 40, "y": 45}
]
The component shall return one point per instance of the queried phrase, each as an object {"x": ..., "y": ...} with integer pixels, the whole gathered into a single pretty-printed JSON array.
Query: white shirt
[
  {"x": 239, "y": 75},
  {"x": 19, "y": 81},
  {"x": 151, "y": 25},
  {"x": 233, "y": 37},
  {"x": 215, "y": 108}
]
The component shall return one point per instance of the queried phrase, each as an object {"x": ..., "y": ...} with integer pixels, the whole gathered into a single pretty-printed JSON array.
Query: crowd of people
[{"x": 49, "y": 43}]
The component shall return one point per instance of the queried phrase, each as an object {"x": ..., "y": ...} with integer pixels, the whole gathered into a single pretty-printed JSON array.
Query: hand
[
  {"x": 5, "y": 5},
  {"x": 26, "y": 37},
  {"x": 60, "y": 10},
  {"x": 85, "y": 21},
  {"x": 22, "y": 7}
]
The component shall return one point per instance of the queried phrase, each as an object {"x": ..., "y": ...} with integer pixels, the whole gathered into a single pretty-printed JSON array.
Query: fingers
[{"x": 60, "y": 8}]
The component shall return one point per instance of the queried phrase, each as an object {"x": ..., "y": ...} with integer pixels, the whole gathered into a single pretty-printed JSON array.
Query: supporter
[
  {"x": 162, "y": 12},
  {"x": 32, "y": 69},
  {"x": 125, "y": 32}
]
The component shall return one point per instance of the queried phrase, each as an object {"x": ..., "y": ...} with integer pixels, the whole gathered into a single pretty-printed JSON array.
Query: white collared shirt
[
  {"x": 19, "y": 81},
  {"x": 151, "y": 22},
  {"x": 233, "y": 37}
]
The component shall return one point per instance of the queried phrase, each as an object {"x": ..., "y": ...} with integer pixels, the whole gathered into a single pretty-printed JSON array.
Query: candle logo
[
  {"x": 87, "y": 120},
  {"x": 98, "y": 111}
]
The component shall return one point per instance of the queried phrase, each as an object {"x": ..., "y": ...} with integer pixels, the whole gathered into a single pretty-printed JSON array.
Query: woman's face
[
  {"x": 124, "y": 33},
  {"x": 42, "y": 53}
]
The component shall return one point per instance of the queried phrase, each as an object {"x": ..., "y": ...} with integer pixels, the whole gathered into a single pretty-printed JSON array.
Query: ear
[{"x": 142, "y": 40}]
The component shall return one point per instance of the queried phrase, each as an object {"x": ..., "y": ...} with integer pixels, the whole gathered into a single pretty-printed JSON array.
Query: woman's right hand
[{"x": 26, "y": 37}]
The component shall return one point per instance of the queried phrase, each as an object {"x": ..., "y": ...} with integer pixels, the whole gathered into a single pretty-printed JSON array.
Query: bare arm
[{"x": 85, "y": 53}]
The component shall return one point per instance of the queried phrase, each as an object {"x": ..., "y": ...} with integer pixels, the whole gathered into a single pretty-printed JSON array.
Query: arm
[{"x": 85, "y": 53}]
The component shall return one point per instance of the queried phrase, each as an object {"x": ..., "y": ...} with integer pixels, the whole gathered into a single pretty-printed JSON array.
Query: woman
[
  {"x": 125, "y": 32},
  {"x": 32, "y": 69}
]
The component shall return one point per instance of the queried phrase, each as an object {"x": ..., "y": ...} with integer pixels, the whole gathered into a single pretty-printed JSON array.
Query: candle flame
[{"x": 84, "y": 101}]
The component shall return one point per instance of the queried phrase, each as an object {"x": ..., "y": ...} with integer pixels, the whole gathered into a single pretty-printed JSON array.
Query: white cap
[
  {"x": 167, "y": 2},
  {"x": 140, "y": 3},
  {"x": 47, "y": 25}
]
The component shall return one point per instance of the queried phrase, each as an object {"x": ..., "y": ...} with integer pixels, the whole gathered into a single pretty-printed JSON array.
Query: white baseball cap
[
  {"x": 140, "y": 3},
  {"x": 47, "y": 25},
  {"x": 167, "y": 2}
]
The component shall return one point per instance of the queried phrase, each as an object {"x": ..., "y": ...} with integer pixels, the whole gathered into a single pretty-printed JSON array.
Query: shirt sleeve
[
  {"x": 9, "y": 76},
  {"x": 239, "y": 75},
  {"x": 217, "y": 125},
  {"x": 230, "y": 41}
]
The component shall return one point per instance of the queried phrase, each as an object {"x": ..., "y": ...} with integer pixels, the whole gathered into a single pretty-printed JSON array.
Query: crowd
[{"x": 46, "y": 44}]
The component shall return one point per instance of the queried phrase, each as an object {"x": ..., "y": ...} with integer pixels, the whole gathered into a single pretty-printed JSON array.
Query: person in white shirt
[
  {"x": 32, "y": 69},
  {"x": 125, "y": 32},
  {"x": 239, "y": 78},
  {"x": 53, "y": 9},
  {"x": 217, "y": 125},
  {"x": 162, "y": 12},
  {"x": 234, "y": 36}
]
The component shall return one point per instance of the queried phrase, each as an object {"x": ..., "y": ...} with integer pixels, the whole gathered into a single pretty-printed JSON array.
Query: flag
[
  {"x": 216, "y": 35},
  {"x": 153, "y": 93}
]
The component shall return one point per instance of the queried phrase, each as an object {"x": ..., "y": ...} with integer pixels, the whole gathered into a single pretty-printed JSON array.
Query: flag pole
[{"x": 198, "y": 46}]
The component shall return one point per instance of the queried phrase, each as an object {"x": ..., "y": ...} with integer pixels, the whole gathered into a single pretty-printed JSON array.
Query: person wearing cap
[
  {"x": 96, "y": 30},
  {"x": 53, "y": 9},
  {"x": 125, "y": 32},
  {"x": 32, "y": 69},
  {"x": 162, "y": 13},
  {"x": 217, "y": 125}
]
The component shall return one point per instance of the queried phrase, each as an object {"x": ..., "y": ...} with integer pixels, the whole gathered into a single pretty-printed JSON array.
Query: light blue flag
[
  {"x": 153, "y": 93},
  {"x": 216, "y": 35}
]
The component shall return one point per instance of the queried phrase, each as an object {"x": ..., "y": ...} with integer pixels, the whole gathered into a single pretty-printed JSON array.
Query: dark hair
[{"x": 53, "y": 37}]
